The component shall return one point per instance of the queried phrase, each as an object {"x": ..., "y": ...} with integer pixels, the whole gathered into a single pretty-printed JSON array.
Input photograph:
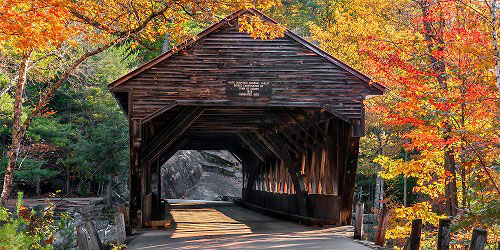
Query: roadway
[{"x": 224, "y": 225}]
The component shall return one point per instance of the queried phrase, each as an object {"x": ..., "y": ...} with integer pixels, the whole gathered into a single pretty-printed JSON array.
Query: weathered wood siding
[{"x": 198, "y": 75}]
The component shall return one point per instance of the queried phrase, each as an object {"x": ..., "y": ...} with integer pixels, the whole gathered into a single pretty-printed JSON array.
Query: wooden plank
[{"x": 155, "y": 224}]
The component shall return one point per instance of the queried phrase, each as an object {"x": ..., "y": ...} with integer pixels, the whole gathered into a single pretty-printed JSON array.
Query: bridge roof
[
  {"x": 242, "y": 82},
  {"x": 225, "y": 21}
]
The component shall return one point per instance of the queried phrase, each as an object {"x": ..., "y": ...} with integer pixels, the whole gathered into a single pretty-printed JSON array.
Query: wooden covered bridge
[{"x": 289, "y": 111}]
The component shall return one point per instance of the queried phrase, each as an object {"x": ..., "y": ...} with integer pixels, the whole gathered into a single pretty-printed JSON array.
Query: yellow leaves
[
  {"x": 401, "y": 218},
  {"x": 258, "y": 28}
]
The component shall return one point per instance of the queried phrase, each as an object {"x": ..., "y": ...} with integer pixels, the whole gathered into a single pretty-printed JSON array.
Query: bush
[{"x": 27, "y": 229}]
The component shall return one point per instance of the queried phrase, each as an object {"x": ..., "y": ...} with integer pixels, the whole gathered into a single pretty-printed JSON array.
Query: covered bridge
[{"x": 289, "y": 111}]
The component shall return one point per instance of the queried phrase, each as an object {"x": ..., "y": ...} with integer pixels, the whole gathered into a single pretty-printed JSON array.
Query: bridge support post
[
  {"x": 348, "y": 180},
  {"x": 300, "y": 190},
  {"x": 135, "y": 173}
]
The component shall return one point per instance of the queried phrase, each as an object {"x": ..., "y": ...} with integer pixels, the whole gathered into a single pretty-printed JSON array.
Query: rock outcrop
[{"x": 201, "y": 175}]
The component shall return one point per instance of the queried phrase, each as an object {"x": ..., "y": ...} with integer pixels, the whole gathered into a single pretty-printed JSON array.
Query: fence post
[
  {"x": 413, "y": 242},
  {"x": 120, "y": 229},
  {"x": 82, "y": 238},
  {"x": 358, "y": 227},
  {"x": 382, "y": 226},
  {"x": 94, "y": 236},
  {"x": 444, "y": 234},
  {"x": 478, "y": 239}
]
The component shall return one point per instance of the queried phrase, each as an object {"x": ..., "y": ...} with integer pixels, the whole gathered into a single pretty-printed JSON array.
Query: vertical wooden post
[
  {"x": 413, "y": 242},
  {"x": 478, "y": 240},
  {"x": 444, "y": 234},
  {"x": 135, "y": 170},
  {"x": 382, "y": 227},
  {"x": 358, "y": 228},
  {"x": 349, "y": 178},
  {"x": 94, "y": 236},
  {"x": 82, "y": 238},
  {"x": 155, "y": 189},
  {"x": 120, "y": 229},
  {"x": 147, "y": 202}
]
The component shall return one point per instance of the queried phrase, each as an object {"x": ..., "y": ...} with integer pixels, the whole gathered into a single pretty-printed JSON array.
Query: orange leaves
[
  {"x": 258, "y": 28},
  {"x": 24, "y": 213},
  {"x": 29, "y": 25},
  {"x": 34, "y": 24}
]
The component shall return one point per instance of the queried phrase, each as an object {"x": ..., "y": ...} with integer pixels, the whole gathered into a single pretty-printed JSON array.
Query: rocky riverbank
[{"x": 203, "y": 175}]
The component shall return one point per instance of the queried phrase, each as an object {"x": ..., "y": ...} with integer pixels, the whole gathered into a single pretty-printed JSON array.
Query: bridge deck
[{"x": 223, "y": 225}]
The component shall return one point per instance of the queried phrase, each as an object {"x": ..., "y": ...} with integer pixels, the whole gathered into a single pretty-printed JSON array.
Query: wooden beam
[
  {"x": 349, "y": 178},
  {"x": 236, "y": 157},
  {"x": 358, "y": 128},
  {"x": 318, "y": 128},
  {"x": 135, "y": 172},
  {"x": 276, "y": 137},
  {"x": 158, "y": 112},
  {"x": 330, "y": 109},
  {"x": 252, "y": 147},
  {"x": 257, "y": 143},
  {"x": 293, "y": 171},
  {"x": 171, "y": 132},
  {"x": 444, "y": 234},
  {"x": 268, "y": 144},
  {"x": 315, "y": 139},
  {"x": 295, "y": 144},
  {"x": 172, "y": 150}
]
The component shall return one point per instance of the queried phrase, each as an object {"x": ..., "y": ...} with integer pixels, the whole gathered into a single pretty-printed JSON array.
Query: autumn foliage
[
  {"x": 436, "y": 57},
  {"x": 62, "y": 34},
  {"x": 438, "y": 123}
]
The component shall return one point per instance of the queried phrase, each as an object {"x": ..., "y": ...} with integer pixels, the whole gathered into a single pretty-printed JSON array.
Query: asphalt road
[{"x": 223, "y": 225}]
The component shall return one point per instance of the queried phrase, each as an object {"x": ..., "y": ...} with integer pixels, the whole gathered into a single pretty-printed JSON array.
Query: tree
[
  {"x": 436, "y": 58},
  {"x": 86, "y": 28}
]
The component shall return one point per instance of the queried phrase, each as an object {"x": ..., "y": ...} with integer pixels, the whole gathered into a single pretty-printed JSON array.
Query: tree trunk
[
  {"x": 464, "y": 187},
  {"x": 67, "y": 180},
  {"x": 450, "y": 183},
  {"x": 496, "y": 53},
  {"x": 17, "y": 133},
  {"x": 109, "y": 190},
  {"x": 379, "y": 191},
  {"x": 405, "y": 183},
  {"x": 435, "y": 43},
  {"x": 379, "y": 182},
  {"x": 38, "y": 187}
]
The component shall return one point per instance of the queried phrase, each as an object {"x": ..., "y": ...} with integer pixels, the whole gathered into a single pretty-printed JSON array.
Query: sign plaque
[{"x": 249, "y": 89}]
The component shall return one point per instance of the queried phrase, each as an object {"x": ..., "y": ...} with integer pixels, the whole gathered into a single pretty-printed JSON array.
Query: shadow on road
[{"x": 223, "y": 225}]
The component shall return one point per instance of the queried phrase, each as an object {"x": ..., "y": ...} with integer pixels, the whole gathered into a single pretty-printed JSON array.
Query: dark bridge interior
[{"x": 291, "y": 113}]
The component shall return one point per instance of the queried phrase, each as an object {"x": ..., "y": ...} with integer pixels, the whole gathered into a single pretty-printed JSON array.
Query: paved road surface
[{"x": 223, "y": 225}]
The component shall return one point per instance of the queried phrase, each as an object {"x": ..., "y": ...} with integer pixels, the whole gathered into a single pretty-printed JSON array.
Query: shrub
[{"x": 27, "y": 229}]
